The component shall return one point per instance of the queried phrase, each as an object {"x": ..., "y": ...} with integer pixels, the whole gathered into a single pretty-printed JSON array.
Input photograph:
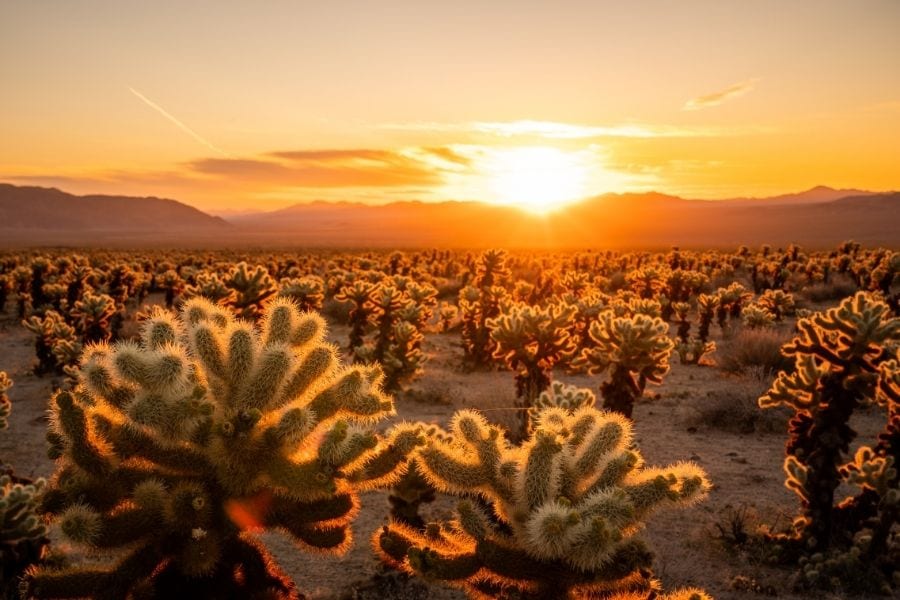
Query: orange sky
[{"x": 233, "y": 105}]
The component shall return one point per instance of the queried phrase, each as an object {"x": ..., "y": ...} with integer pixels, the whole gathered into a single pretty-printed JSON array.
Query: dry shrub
[
  {"x": 837, "y": 289},
  {"x": 735, "y": 410},
  {"x": 755, "y": 352}
]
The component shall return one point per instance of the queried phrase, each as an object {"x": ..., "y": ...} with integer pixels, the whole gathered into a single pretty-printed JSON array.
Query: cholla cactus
[
  {"x": 561, "y": 395},
  {"x": 211, "y": 287},
  {"x": 844, "y": 358},
  {"x": 397, "y": 342},
  {"x": 532, "y": 340},
  {"x": 357, "y": 293},
  {"x": 481, "y": 302},
  {"x": 681, "y": 311},
  {"x": 731, "y": 303},
  {"x": 23, "y": 535},
  {"x": 50, "y": 332},
  {"x": 637, "y": 351},
  {"x": 307, "y": 292},
  {"x": 647, "y": 281},
  {"x": 777, "y": 302},
  {"x": 693, "y": 350},
  {"x": 252, "y": 289},
  {"x": 755, "y": 316},
  {"x": 448, "y": 317},
  {"x": 5, "y": 289},
  {"x": 94, "y": 314},
  {"x": 5, "y": 404},
  {"x": 172, "y": 284},
  {"x": 565, "y": 508},
  {"x": 175, "y": 448}
]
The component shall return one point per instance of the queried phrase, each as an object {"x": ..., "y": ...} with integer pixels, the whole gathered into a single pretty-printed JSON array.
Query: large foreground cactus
[
  {"x": 565, "y": 507},
  {"x": 175, "y": 449},
  {"x": 845, "y": 359}
]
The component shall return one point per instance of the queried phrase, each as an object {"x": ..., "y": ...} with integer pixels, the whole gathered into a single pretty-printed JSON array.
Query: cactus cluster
[
  {"x": 175, "y": 449},
  {"x": 564, "y": 507}
]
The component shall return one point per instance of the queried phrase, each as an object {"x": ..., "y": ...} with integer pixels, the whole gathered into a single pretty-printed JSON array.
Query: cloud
[
  {"x": 553, "y": 129},
  {"x": 716, "y": 98},
  {"x": 322, "y": 168}
]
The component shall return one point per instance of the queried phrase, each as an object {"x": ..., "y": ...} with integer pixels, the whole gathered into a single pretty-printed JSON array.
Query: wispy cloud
[
  {"x": 716, "y": 98},
  {"x": 553, "y": 129},
  {"x": 177, "y": 122}
]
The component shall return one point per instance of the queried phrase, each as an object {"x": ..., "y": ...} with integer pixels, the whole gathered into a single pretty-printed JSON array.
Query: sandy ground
[{"x": 676, "y": 421}]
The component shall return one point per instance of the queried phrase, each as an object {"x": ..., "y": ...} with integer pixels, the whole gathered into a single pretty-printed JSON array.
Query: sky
[{"x": 234, "y": 106}]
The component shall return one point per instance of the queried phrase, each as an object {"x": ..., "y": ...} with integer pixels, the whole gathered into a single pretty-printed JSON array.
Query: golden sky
[{"x": 236, "y": 105}]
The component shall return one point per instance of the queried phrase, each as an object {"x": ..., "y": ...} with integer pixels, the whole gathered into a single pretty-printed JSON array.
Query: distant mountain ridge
[
  {"x": 814, "y": 217},
  {"x": 39, "y": 208},
  {"x": 821, "y": 217}
]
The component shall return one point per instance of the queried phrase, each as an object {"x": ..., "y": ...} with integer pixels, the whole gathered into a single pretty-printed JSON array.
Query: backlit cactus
[
  {"x": 211, "y": 287},
  {"x": 5, "y": 404},
  {"x": 845, "y": 359},
  {"x": 756, "y": 316},
  {"x": 634, "y": 349},
  {"x": 777, "y": 302},
  {"x": 50, "y": 332},
  {"x": 561, "y": 395},
  {"x": 308, "y": 293},
  {"x": 94, "y": 314},
  {"x": 565, "y": 508},
  {"x": 531, "y": 340},
  {"x": 481, "y": 302},
  {"x": 693, "y": 350},
  {"x": 174, "y": 449},
  {"x": 396, "y": 343},
  {"x": 252, "y": 288},
  {"x": 23, "y": 535}
]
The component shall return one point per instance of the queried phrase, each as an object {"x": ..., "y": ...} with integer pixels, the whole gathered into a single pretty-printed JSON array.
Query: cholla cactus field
[{"x": 241, "y": 424}]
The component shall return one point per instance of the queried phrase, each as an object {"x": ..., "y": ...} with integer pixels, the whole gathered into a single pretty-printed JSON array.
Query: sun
[{"x": 538, "y": 179}]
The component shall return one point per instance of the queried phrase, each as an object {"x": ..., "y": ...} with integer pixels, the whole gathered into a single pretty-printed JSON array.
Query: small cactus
[
  {"x": 636, "y": 349},
  {"x": 532, "y": 340}
]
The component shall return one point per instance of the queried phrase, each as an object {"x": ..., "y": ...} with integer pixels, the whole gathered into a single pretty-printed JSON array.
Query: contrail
[{"x": 180, "y": 125}]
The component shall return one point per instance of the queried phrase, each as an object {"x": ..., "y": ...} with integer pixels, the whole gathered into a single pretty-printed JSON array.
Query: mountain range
[{"x": 819, "y": 217}]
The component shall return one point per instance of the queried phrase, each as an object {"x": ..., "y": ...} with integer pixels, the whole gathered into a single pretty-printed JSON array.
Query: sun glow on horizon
[{"x": 538, "y": 179}]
